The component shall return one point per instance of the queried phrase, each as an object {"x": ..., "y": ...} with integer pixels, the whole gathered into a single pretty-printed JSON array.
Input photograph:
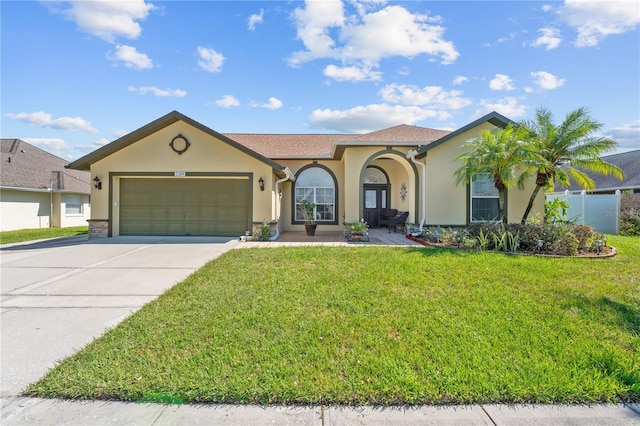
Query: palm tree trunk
[
  {"x": 501, "y": 199},
  {"x": 530, "y": 205}
]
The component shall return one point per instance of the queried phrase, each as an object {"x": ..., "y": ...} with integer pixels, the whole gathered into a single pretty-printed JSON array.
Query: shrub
[
  {"x": 629, "y": 224},
  {"x": 566, "y": 244}
]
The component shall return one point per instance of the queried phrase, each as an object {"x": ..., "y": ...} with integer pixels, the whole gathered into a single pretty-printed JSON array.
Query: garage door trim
[{"x": 113, "y": 175}]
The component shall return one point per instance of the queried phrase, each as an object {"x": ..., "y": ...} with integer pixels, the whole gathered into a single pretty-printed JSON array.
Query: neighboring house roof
[
  {"x": 494, "y": 118},
  {"x": 628, "y": 162},
  {"x": 25, "y": 166}
]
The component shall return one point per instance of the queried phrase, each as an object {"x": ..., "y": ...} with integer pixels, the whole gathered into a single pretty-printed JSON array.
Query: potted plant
[{"x": 308, "y": 209}]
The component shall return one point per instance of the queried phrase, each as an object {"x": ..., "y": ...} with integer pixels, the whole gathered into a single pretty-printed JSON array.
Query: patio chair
[
  {"x": 385, "y": 216},
  {"x": 399, "y": 220}
]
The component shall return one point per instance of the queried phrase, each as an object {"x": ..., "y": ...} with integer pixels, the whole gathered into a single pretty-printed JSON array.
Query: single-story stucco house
[
  {"x": 37, "y": 191},
  {"x": 176, "y": 176}
]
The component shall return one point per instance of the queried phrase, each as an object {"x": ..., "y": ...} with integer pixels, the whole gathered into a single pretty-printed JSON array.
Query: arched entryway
[
  {"x": 376, "y": 194},
  {"x": 388, "y": 180}
]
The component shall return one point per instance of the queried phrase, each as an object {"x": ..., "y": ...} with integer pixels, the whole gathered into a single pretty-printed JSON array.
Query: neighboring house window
[
  {"x": 316, "y": 185},
  {"x": 73, "y": 205},
  {"x": 484, "y": 199}
]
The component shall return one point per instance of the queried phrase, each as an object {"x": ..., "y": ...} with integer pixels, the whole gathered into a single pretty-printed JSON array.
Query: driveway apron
[{"x": 58, "y": 295}]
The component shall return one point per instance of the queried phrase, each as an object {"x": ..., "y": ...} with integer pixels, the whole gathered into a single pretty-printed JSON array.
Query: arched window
[
  {"x": 315, "y": 184},
  {"x": 374, "y": 175}
]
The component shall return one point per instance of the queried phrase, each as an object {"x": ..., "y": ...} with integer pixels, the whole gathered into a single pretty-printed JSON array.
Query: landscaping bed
[
  {"x": 533, "y": 239},
  {"x": 375, "y": 325}
]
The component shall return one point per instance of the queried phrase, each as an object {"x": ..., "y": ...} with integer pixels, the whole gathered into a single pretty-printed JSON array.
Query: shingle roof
[
  {"x": 29, "y": 167},
  {"x": 628, "y": 162},
  {"x": 278, "y": 146},
  {"x": 412, "y": 135}
]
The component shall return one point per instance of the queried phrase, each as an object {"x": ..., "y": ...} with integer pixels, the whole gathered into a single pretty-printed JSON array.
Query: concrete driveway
[{"x": 58, "y": 295}]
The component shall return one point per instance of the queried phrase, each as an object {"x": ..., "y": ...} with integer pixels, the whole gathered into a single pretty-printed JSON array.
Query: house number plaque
[{"x": 179, "y": 144}]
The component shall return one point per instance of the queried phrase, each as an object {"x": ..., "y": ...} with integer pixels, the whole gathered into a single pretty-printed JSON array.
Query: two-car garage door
[{"x": 184, "y": 206}]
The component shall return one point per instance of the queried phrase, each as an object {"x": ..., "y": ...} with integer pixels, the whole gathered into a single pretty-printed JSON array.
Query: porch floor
[{"x": 378, "y": 236}]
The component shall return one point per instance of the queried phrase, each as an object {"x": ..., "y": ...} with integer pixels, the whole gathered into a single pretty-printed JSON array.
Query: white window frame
[
  {"x": 489, "y": 191},
  {"x": 77, "y": 201},
  {"x": 324, "y": 212}
]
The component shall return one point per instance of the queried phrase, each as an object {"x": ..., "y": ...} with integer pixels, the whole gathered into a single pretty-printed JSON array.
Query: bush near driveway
[{"x": 375, "y": 325}]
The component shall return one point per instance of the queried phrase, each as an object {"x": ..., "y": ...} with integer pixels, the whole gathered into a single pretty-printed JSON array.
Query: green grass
[
  {"x": 375, "y": 325},
  {"x": 21, "y": 235}
]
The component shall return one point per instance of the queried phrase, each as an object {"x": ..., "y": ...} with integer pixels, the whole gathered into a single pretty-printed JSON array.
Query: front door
[{"x": 375, "y": 199}]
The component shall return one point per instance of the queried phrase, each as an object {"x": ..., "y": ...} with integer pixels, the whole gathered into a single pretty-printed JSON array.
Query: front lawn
[
  {"x": 21, "y": 235},
  {"x": 375, "y": 325}
]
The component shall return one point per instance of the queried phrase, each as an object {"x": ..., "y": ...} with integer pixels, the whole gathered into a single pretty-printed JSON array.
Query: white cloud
[
  {"x": 459, "y": 79},
  {"x": 353, "y": 73},
  {"x": 48, "y": 144},
  {"x": 546, "y": 81},
  {"x": 547, "y": 8},
  {"x": 273, "y": 104},
  {"x": 364, "y": 38},
  {"x": 432, "y": 96},
  {"x": 42, "y": 119},
  {"x": 595, "y": 20},
  {"x": 254, "y": 20},
  {"x": 106, "y": 19},
  {"x": 210, "y": 60},
  {"x": 508, "y": 107},
  {"x": 550, "y": 38},
  {"x": 161, "y": 93},
  {"x": 227, "y": 101},
  {"x": 501, "y": 82},
  {"x": 132, "y": 58},
  {"x": 372, "y": 117},
  {"x": 627, "y": 136}
]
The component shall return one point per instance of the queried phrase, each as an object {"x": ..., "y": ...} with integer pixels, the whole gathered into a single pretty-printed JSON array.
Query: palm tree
[
  {"x": 500, "y": 153},
  {"x": 567, "y": 150}
]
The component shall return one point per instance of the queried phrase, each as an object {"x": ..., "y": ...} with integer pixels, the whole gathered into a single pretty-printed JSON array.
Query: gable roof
[
  {"x": 85, "y": 162},
  {"x": 25, "y": 166},
  {"x": 628, "y": 162},
  {"x": 494, "y": 118}
]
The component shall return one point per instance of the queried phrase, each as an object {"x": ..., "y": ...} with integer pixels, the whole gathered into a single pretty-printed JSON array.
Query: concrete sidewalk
[{"x": 23, "y": 411}]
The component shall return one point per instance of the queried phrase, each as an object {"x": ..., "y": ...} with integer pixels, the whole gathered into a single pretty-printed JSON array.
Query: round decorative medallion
[
  {"x": 403, "y": 191},
  {"x": 179, "y": 144}
]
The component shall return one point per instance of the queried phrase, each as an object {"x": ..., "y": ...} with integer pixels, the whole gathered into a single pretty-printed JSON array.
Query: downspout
[
  {"x": 278, "y": 208},
  {"x": 412, "y": 156},
  {"x": 288, "y": 176}
]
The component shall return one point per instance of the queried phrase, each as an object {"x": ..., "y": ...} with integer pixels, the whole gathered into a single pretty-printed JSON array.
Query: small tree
[
  {"x": 500, "y": 153},
  {"x": 567, "y": 150}
]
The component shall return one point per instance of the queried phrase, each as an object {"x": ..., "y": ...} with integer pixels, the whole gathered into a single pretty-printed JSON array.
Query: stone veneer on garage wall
[{"x": 98, "y": 228}]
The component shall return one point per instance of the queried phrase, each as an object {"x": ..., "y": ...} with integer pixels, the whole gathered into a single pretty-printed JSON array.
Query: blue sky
[{"x": 77, "y": 75}]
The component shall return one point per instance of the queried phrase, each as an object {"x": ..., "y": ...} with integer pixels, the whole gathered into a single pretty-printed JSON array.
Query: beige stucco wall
[
  {"x": 153, "y": 154},
  {"x": 347, "y": 172},
  {"x": 447, "y": 203}
]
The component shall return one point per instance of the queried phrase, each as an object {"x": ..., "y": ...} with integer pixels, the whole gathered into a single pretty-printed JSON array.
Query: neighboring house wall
[{"x": 24, "y": 209}]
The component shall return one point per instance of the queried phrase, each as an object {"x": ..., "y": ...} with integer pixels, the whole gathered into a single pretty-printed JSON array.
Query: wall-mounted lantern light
[
  {"x": 261, "y": 184},
  {"x": 96, "y": 183}
]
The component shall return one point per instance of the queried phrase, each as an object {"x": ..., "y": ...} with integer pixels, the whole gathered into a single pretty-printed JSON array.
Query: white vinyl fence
[{"x": 600, "y": 211}]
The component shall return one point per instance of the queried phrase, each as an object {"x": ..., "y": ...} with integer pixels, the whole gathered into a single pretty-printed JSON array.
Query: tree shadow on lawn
[{"x": 622, "y": 316}]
